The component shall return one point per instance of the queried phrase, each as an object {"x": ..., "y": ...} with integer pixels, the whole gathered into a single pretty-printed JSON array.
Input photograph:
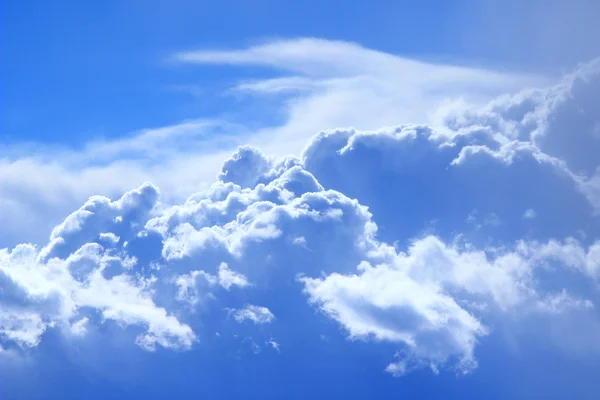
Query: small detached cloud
[
  {"x": 256, "y": 314},
  {"x": 228, "y": 278},
  {"x": 274, "y": 345},
  {"x": 529, "y": 214}
]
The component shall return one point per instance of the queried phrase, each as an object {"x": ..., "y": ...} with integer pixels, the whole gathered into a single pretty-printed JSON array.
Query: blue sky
[
  {"x": 281, "y": 200},
  {"x": 109, "y": 61}
]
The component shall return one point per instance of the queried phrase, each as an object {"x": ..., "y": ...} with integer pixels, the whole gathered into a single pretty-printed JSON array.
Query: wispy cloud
[
  {"x": 341, "y": 84},
  {"x": 40, "y": 184}
]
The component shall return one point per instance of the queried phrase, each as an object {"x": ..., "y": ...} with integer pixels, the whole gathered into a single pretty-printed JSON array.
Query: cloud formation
[
  {"x": 421, "y": 237},
  {"x": 326, "y": 84}
]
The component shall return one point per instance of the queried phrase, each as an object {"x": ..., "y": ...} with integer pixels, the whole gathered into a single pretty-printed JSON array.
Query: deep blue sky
[
  {"x": 108, "y": 62},
  {"x": 73, "y": 70}
]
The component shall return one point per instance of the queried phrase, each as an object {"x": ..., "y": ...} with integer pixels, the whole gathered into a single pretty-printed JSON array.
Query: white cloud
[
  {"x": 433, "y": 294},
  {"x": 193, "y": 286},
  {"x": 126, "y": 302},
  {"x": 40, "y": 186},
  {"x": 390, "y": 306},
  {"x": 274, "y": 345},
  {"x": 44, "y": 292},
  {"x": 432, "y": 300},
  {"x": 529, "y": 213},
  {"x": 316, "y": 57},
  {"x": 109, "y": 237},
  {"x": 189, "y": 286},
  {"x": 79, "y": 328},
  {"x": 331, "y": 84},
  {"x": 256, "y": 314},
  {"x": 347, "y": 86},
  {"x": 421, "y": 298}
]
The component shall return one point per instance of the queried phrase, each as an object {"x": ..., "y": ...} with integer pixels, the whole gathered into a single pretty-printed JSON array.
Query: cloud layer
[
  {"x": 426, "y": 238},
  {"x": 309, "y": 85}
]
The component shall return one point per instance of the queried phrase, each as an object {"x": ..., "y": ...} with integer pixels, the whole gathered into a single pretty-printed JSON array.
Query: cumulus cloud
[
  {"x": 570, "y": 253},
  {"x": 426, "y": 298},
  {"x": 22, "y": 328},
  {"x": 41, "y": 185},
  {"x": 395, "y": 308},
  {"x": 413, "y": 235},
  {"x": 53, "y": 285}
]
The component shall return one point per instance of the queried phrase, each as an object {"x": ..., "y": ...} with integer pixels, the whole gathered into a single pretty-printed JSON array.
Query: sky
[{"x": 288, "y": 200}]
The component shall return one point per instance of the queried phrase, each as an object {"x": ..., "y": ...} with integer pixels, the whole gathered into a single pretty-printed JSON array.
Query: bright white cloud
[
  {"x": 256, "y": 314},
  {"x": 229, "y": 278},
  {"x": 79, "y": 328},
  {"x": 60, "y": 282},
  {"x": 390, "y": 306},
  {"x": 40, "y": 187},
  {"x": 22, "y": 328},
  {"x": 571, "y": 254},
  {"x": 423, "y": 298},
  {"x": 431, "y": 301},
  {"x": 560, "y": 122},
  {"x": 274, "y": 345},
  {"x": 373, "y": 228}
]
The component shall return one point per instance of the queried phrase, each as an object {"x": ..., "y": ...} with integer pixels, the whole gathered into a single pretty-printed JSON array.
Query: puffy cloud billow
[{"x": 424, "y": 238}]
